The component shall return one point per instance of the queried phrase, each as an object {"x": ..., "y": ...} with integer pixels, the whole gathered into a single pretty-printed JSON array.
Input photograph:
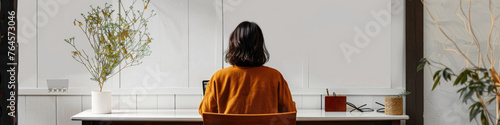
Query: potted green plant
[
  {"x": 118, "y": 40},
  {"x": 394, "y": 104},
  {"x": 478, "y": 80}
]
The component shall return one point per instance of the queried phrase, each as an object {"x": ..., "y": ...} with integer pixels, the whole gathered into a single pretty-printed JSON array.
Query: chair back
[{"x": 287, "y": 118}]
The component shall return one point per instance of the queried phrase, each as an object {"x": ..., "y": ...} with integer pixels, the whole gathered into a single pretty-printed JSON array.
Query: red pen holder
[{"x": 335, "y": 103}]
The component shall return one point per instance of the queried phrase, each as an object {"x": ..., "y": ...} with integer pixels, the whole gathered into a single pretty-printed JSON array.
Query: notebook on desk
[{"x": 204, "y": 85}]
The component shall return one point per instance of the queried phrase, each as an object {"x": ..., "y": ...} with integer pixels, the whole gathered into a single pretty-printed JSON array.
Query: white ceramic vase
[{"x": 101, "y": 102}]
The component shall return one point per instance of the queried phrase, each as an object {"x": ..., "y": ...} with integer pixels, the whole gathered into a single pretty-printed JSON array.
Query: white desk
[{"x": 191, "y": 116}]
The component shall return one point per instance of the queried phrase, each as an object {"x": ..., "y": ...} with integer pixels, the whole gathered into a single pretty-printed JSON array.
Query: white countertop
[
  {"x": 198, "y": 91},
  {"x": 192, "y": 115}
]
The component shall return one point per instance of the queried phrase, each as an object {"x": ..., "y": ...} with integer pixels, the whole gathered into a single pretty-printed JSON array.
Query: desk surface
[{"x": 192, "y": 115}]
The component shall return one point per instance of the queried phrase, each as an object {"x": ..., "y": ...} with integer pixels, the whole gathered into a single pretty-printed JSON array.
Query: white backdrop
[
  {"x": 328, "y": 44},
  {"x": 312, "y": 42}
]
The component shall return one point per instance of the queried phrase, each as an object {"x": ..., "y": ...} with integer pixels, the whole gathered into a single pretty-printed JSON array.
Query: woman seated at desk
[{"x": 247, "y": 87}]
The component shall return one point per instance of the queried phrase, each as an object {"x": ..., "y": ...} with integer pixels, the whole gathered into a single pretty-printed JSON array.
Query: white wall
[
  {"x": 443, "y": 105},
  {"x": 188, "y": 44},
  {"x": 187, "y": 48},
  {"x": 306, "y": 40}
]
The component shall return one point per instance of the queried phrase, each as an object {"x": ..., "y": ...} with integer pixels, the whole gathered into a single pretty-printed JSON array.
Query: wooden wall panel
[
  {"x": 414, "y": 52},
  {"x": 311, "y": 102},
  {"x": 167, "y": 66},
  {"x": 21, "y": 110},
  {"x": 55, "y": 24},
  {"x": 187, "y": 101},
  {"x": 205, "y": 29},
  {"x": 166, "y": 101},
  {"x": 40, "y": 110},
  {"x": 27, "y": 35},
  {"x": 147, "y": 102},
  {"x": 68, "y": 106},
  {"x": 127, "y": 102}
]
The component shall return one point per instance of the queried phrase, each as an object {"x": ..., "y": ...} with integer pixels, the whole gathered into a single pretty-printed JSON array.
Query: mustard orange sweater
[{"x": 247, "y": 90}]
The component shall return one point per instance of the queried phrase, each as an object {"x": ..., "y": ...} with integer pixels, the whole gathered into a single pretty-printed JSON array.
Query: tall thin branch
[{"x": 446, "y": 35}]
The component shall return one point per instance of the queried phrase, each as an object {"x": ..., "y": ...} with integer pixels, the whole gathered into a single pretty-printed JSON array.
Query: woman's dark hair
[{"x": 246, "y": 46}]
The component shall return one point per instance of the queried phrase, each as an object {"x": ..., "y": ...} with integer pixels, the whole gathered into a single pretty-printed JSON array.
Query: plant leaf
[
  {"x": 474, "y": 110},
  {"x": 458, "y": 79},
  {"x": 436, "y": 82},
  {"x": 445, "y": 74},
  {"x": 462, "y": 90},
  {"x": 464, "y": 79},
  {"x": 422, "y": 64},
  {"x": 483, "y": 118},
  {"x": 468, "y": 95},
  {"x": 436, "y": 74},
  {"x": 491, "y": 100}
]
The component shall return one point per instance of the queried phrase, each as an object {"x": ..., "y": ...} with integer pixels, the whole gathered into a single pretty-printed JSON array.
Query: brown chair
[{"x": 287, "y": 118}]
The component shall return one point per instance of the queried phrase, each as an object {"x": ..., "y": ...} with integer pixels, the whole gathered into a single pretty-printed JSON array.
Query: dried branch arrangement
[
  {"x": 479, "y": 80},
  {"x": 118, "y": 39}
]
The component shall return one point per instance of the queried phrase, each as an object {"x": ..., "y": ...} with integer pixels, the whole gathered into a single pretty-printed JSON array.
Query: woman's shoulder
[
  {"x": 270, "y": 69},
  {"x": 231, "y": 69},
  {"x": 236, "y": 71},
  {"x": 226, "y": 70}
]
